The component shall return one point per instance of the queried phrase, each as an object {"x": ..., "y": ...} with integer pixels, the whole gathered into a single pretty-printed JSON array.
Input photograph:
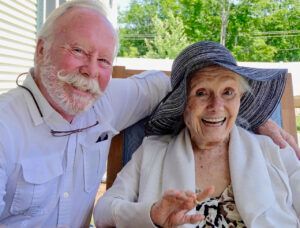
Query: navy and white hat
[{"x": 266, "y": 85}]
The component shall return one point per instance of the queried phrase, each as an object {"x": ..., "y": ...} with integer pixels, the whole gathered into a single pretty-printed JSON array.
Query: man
[{"x": 56, "y": 128}]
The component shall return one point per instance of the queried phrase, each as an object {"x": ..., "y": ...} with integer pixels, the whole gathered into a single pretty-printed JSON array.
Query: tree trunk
[{"x": 225, "y": 10}]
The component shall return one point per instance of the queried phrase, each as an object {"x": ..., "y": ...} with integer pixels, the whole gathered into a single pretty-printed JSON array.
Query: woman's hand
[
  {"x": 171, "y": 210},
  {"x": 278, "y": 135}
]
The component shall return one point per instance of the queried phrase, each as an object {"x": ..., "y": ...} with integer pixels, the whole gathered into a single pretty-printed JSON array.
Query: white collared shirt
[{"x": 48, "y": 181}]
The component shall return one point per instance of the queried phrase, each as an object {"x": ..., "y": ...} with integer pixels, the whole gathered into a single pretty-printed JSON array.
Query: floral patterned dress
[{"x": 220, "y": 211}]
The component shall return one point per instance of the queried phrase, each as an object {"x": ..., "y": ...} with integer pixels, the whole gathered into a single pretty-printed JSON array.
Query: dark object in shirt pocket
[{"x": 102, "y": 137}]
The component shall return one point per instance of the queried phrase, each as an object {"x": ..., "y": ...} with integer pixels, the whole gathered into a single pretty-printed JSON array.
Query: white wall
[
  {"x": 18, "y": 26},
  {"x": 17, "y": 39}
]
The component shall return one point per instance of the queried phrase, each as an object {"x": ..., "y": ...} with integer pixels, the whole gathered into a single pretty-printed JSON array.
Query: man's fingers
[
  {"x": 291, "y": 141},
  {"x": 278, "y": 139},
  {"x": 271, "y": 129},
  {"x": 278, "y": 135}
]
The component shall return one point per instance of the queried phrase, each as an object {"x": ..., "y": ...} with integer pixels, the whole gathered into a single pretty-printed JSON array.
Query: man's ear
[{"x": 40, "y": 50}]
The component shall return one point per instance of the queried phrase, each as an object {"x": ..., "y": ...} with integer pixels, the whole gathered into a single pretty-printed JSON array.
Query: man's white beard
[{"x": 70, "y": 103}]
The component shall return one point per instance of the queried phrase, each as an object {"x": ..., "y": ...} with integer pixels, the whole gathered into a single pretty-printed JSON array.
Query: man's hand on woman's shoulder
[{"x": 278, "y": 135}]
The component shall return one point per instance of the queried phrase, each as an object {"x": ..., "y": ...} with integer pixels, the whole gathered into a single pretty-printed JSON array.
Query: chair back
[{"x": 124, "y": 144}]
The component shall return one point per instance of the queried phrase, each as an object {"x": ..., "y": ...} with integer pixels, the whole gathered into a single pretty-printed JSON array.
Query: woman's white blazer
[{"x": 265, "y": 181}]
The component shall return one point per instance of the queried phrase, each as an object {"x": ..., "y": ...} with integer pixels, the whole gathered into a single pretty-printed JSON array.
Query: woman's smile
[{"x": 213, "y": 122}]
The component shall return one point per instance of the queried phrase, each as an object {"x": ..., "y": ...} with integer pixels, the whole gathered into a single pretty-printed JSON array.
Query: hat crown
[{"x": 197, "y": 56}]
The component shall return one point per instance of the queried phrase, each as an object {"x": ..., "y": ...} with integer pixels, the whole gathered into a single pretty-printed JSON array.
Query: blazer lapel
[
  {"x": 249, "y": 175},
  {"x": 179, "y": 167}
]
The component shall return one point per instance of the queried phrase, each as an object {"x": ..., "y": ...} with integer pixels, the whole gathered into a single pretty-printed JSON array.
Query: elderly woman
[{"x": 198, "y": 167}]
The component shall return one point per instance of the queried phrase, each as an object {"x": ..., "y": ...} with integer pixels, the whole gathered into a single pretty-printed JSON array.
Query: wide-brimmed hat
[{"x": 266, "y": 85}]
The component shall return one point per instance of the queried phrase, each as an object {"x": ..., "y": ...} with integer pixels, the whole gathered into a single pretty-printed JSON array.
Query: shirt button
[{"x": 66, "y": 194}]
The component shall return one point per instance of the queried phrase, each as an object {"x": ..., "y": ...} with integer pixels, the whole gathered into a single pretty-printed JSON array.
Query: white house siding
[
  {"x": 17, "y": 39},
  {"x": 18, "y": 26}
]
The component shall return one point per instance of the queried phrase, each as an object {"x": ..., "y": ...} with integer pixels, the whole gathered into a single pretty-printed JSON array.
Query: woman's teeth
[{"x": 214, "y": 121}]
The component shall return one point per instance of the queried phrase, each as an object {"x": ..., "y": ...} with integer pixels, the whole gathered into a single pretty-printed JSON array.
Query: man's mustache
[{"x": 80, "y": 82}]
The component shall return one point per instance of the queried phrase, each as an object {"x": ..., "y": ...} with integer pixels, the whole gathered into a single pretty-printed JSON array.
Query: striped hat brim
[{"x": 267, "y": 86}]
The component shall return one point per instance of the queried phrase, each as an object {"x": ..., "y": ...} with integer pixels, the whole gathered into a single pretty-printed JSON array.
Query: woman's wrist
[{"x": 152, "y": 216}]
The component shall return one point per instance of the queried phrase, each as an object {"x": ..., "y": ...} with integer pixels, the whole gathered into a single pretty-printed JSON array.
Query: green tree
[
  {"x": 201, "y": 19},
  {"x": 280, "y": 26},
  {"x": 136, "y": 24},
  {"x": 169, "y": 39},
  {"x": 254, "y": 30},
  {"x": 257, "y": 29}
]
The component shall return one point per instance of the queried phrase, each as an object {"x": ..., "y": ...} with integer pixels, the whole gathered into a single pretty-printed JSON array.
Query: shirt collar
[{"x": 43, "y": 104}]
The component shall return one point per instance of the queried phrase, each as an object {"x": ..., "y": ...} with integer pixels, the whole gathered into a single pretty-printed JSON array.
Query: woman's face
[{"x": 213, "y": 102}]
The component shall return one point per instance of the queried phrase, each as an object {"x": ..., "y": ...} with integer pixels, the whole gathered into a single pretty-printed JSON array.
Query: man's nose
[{"x": 90, "y": 68}]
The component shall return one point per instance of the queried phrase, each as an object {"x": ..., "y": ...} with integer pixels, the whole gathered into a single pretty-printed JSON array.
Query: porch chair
[{"x": 124, "y": 144}]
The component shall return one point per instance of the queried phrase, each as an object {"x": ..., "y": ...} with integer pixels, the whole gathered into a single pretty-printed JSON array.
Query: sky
[{"x": 123, "y": 3}]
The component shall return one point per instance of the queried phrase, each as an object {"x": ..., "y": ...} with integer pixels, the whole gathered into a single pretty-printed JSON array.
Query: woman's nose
[{"x": 215, "y": 102}]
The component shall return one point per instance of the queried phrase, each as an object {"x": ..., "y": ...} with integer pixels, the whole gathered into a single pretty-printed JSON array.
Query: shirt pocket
[
  {"x": 37, "y": 185},
  {"x": 94, "y": 163}
]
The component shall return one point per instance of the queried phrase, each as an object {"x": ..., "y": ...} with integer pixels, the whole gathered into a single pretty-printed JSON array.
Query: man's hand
[
  {"x": 171, "y": 210},
  {"x": 278, "y": 135}
]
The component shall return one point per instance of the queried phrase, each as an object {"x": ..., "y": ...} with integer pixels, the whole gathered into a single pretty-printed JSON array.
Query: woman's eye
[
  {"x": 229, "y": 92},
  {"x": 200, "y": 93}
]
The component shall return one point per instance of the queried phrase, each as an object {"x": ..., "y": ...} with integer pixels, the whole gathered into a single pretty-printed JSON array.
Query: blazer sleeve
[
  {"x": 118, "y": 206},
  {"x": 292, "y": 165}
]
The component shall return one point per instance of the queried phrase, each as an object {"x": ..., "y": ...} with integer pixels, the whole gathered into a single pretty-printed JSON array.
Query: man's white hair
[{"x": 47, "y": 29}]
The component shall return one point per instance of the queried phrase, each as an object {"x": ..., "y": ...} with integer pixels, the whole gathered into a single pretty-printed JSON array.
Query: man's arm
[
  {"x": 278, "y": 135},
  {"x": 133, "y": 98},
  {"x": 3, "y": 179}
]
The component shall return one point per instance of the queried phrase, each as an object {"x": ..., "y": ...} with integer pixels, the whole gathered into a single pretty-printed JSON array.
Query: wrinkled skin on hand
[
  {"x": 278, "y": 135},
  {"x": 171, "y": 210}
]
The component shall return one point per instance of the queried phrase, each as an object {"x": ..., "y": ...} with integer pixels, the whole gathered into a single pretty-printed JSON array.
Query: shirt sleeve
[
  {"x": 3, "y": 179},
  {"x": 118, "y": 206},
  {"x": 133, "y": 98},
  {"x": 292, "y": 165}
]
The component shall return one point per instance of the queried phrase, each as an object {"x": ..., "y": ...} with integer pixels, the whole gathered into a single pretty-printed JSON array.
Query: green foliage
[
  {"x": 201, "y": 19},
  {"x": 257, "y": 30},
  {"x": 170, "y": 38},
  {"x": 257, "y": 51},
  {"x": 298, "y": 123}
]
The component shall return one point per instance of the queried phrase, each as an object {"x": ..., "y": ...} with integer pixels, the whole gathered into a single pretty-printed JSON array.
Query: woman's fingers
[
  {"x": 181, "y": 218},
  {"x": 179, "y": 198},
  {"x": 172, "y": 209},
  {"x": 172, "y": 202},
  {"x": 192, "y": 219},
  {"x": 204, "y": 194}
]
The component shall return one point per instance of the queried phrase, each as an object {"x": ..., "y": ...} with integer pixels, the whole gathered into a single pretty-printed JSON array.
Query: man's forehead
[
  {"x": 79, "y": 17},
  {"x": 83, "y": 21}
]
